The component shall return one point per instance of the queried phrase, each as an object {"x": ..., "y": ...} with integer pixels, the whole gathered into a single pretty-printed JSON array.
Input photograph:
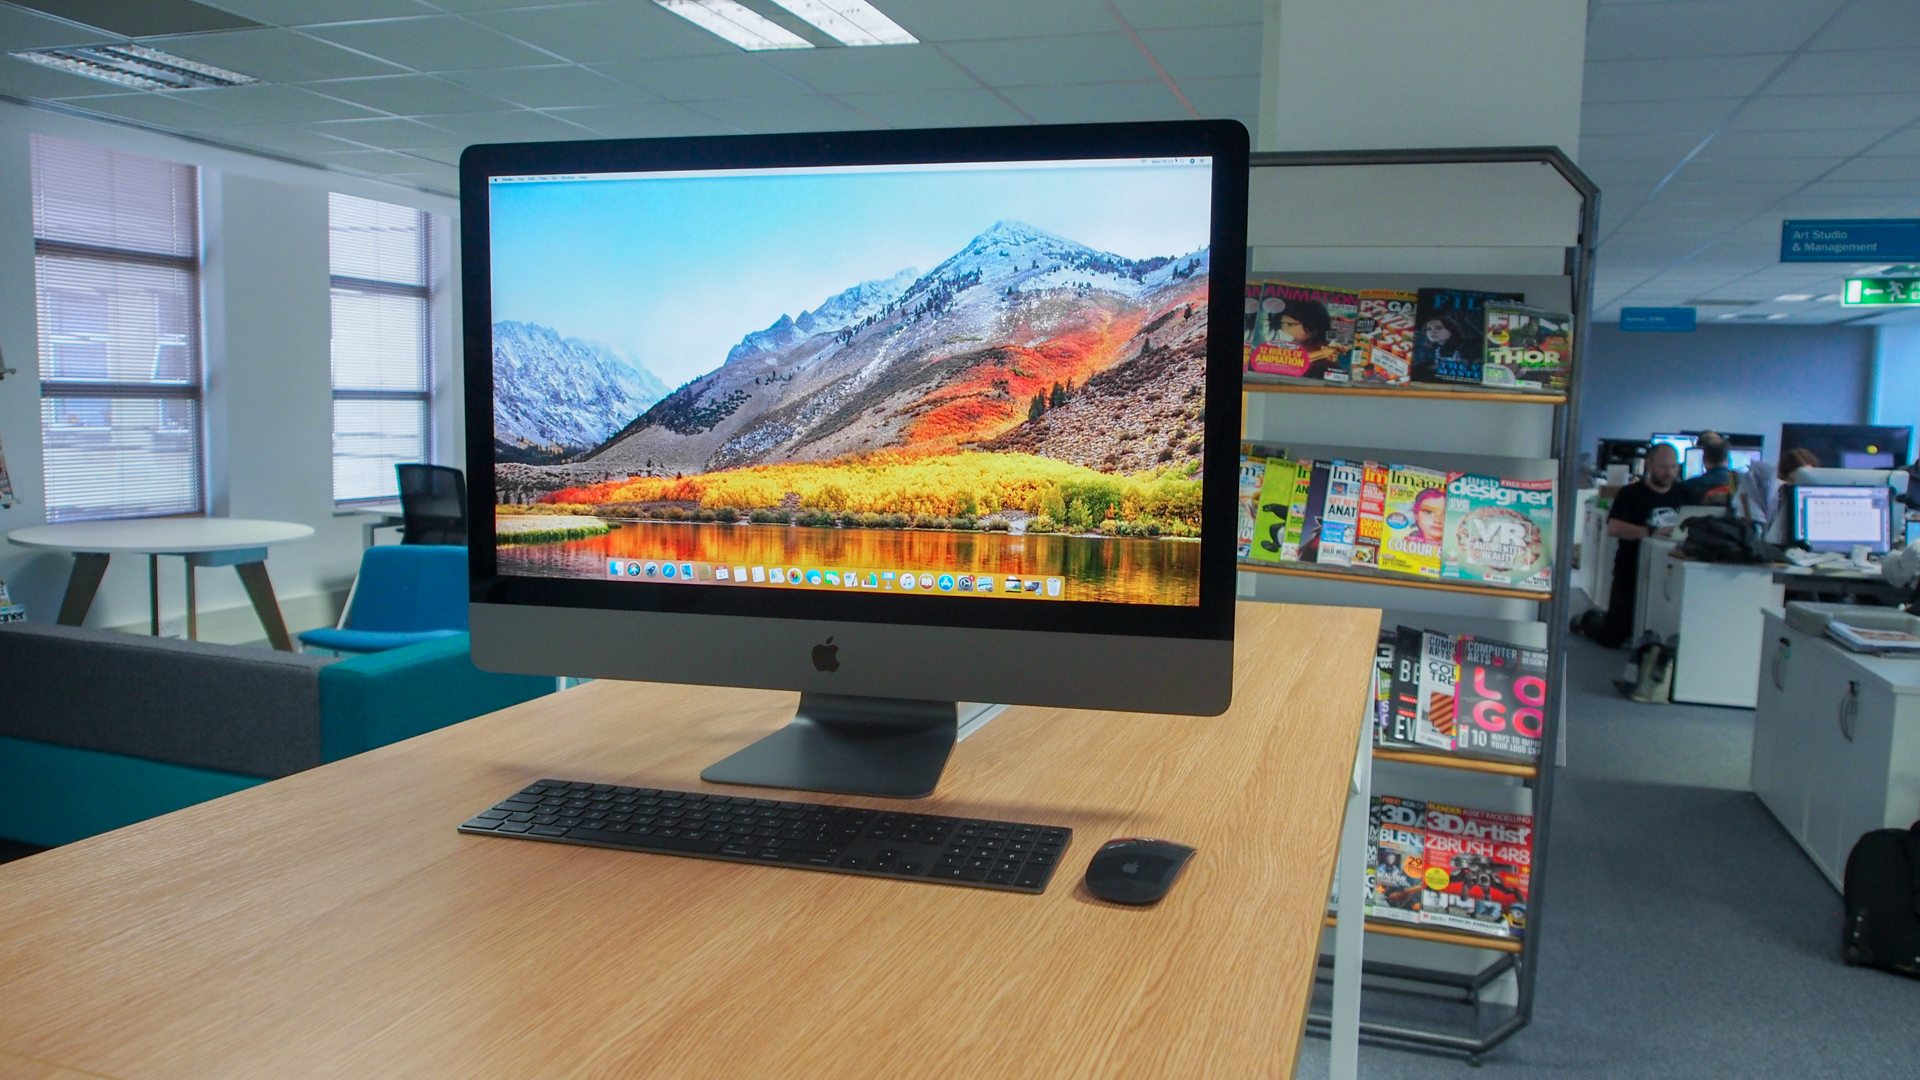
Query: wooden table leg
[
  {"x": 253, "y": 575},
  {"x": 88, "y": 568}
]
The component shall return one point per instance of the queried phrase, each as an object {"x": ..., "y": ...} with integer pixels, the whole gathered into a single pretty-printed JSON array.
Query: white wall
[
  {"x": 269, "y": 407},
  {"x": 1896, "y": 376}
]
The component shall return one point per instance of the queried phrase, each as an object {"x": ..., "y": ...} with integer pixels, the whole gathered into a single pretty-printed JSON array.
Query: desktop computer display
[
  {"x": 1841, "y": 518},
  {"x": 1850, "y": 446},
  {"x": 1680, "y": 443},
  {"x": 1694, "y": 461},
  {"x": 895, "y": 417}
]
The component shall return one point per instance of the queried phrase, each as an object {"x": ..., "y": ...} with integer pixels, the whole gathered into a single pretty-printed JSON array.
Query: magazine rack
[{"x": 1510, "y": 219}]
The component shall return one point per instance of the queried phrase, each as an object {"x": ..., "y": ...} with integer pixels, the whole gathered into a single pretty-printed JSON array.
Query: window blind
[
  {"x": 116, "y": 276},
  {"x": 382, "y": 345}
]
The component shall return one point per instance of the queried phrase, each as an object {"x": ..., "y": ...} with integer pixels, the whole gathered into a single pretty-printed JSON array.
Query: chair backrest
[
  {"x": 408, "y": 587},
  {"x": 433, "y": 504}
]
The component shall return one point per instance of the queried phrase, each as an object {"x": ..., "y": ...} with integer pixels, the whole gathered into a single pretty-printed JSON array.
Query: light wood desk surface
[{"x": 334, "y": 924}]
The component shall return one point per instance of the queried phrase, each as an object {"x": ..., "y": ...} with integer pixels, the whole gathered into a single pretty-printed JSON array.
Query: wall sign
[
  {"x": 1849, "y": 239},
  {"x": 1667, "y": 319}
]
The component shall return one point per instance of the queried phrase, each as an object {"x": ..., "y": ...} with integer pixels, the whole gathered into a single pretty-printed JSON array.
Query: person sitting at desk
[
  {"x": 1631, "y": 521},
  {"x": 1714, "y": 486}
]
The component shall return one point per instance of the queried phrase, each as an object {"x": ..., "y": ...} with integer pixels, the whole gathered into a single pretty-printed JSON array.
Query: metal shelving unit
[{"x": 1344, "y": 244}]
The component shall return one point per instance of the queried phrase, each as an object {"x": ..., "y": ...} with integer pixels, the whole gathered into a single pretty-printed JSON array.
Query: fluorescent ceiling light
[
  {"x": 1793, "y": 298},
  {"x": 1828, "y": 298},
  {"x": 136, "y": 66},
  {"x": 744, "y": 27},
  {"x": 850, "y": 22}
]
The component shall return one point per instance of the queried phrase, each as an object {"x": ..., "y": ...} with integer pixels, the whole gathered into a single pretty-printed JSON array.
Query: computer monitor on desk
[
  {"x": 954, "y": 416},
  {"x": 1842, "y": 518}
]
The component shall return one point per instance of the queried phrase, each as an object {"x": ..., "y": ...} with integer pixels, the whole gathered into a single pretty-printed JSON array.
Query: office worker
[
  {"x": 1632, "y": 519},
  {"x": 1714, "y": 486}
]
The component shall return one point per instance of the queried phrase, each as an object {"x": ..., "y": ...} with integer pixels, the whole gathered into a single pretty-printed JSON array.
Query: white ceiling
[{"x": 1706, "y": 121}]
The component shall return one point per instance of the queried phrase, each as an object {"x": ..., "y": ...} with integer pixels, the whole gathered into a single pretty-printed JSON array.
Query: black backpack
[
  {"x": 1883, "y": 901},
  {"x": 1726, "y": 539}
]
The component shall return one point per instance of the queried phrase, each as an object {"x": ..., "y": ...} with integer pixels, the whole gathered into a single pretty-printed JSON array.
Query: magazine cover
[
  {"x": 1405, "y": 718},
  {"x": 1500, "y": 701},
  {"x": 1317, "y": 482},
  {"x": 1373, "y": 514},
  {"x": 1250, "y": 335},
  {"x": 1306, "y": 331},
  {"x": 1433, "y": 723},
  {"x": 1477, "y": 866},
  {"x": 1253, "y": 473},
  {"x": 1415, "y": 520},
  {"x": 1383, "y": 337},
  {"x": 1449, "y": 342},
  {"x": 1527, "y": 348},
  {"x": 6, "y": 485},
  {"x": 1382, "y": 684},
  {"x": 1499, "y": 531},
  {"x": 1297, "y": 513},
  {"x": 1396, "y": 863},
  {"x": 1340, "y": 518},
  {"x": 1272, "y": 505}
]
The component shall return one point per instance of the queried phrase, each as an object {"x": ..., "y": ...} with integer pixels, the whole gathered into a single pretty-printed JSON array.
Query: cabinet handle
[
  {"x": 1849, "y": 709},
  {"x": 1778, "y": 667}
]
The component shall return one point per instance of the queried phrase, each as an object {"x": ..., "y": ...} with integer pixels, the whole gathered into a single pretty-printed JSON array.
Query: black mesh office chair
[{"x": 433, "y": 504}]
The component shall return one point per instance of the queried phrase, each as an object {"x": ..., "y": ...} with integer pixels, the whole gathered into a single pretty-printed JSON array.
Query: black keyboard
[{"x": 844, "y": 839}]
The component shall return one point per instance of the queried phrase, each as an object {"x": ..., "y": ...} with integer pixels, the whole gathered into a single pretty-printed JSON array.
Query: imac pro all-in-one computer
[{"x": 895, "y": 419}]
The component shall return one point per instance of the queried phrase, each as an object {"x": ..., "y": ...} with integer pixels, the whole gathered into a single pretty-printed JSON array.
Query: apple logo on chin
[{"x": 826, "y": 657}]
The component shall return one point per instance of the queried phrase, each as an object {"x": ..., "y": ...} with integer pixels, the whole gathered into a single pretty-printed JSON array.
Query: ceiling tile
[
  {"x": 1082, "y": 58},
  {"x": 1815, "y": 112},
  {"x": 22, "y": 29},
  {"x": 370, "y": 160},
  {"x": 438, "y": 43},
  {"x": 794, "y": 112},
  {"x": 1659, "y": 80},
  {"x": 312, "y": 13},
  {"x": 1160, "y": 14},
  {"x": 1645, "y": 117},
  {"x": 1223, "y": 97},
  {"x": 1872, "y": 24},
  {"x": 1687, "y": 28},
  {"x": 944, "y": 20},
  {"x": 936, "y": 108},
  {"x": 865, "y": 71},
  {"x": 20, "y": 79},
  {"x": 1899, "y": 144},
  {"x": 614, "y": 30},
  {"x": 654, "y": 121},
  {"x": 1629, "y": 171},
  {"x": 147, "y": 18},
  {"x": 276, "y": 139},
  {"x": 275, "y": 55},
  {"x": 1834, "y": 142},
  {"x": 407, "y": 95},
  {"x": 1202, "y": 52},
  {"x": 515, "y": 126},
  {"x": 1860, "y": 189},
  {"x": 160, "y": 110},
  {"x": 1664, "y": 146},
  {"x": 267, "y": 103},
  {"x": 562, "y": 86},
  {"x": 1862, "y": 71},
  {"x": 1758, "y": 170},
  {"x": 389, "y": 133},
  {"x": 1089, "y": 103},
  {"x": 706, "y": 78}
]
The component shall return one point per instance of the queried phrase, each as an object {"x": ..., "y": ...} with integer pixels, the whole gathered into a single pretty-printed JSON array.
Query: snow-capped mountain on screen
[
  {"x": 837, "y": 312},
  {"x": 554, "y": 397}
]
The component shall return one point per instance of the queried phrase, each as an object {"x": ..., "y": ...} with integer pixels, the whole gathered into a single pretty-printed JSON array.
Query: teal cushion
[
  {"x": 380, "y": 698},
  {"x": 369, "y": 641},
  {"x": 58, "y": 794}
]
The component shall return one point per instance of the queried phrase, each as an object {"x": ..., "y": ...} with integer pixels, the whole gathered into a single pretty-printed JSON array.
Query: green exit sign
[{"x": 1880, "y": 292}]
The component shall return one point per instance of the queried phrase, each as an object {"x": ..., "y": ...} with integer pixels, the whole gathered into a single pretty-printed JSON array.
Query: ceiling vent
[{"x": 135, "y": 66}]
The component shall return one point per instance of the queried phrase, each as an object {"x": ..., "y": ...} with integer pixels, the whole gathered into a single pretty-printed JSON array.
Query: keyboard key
[
  {"x": 999, "y": 877},
  {"x": 1031, "y": 880},
  {"x": 514, "y": 826},
  {"x": 482, "y": 823},
  {"x": 548, "y": 830},
  {"x": 736, "y": 849}
]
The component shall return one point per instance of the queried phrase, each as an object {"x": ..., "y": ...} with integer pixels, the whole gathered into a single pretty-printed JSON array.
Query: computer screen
[
  {"x": 1695, "y": 461},
  {"x": 920, "y": 416},
  {"x": 1680, "y": 443},
  {"x": 1839, "y": 518},
  {"x": 1850, "y": 446}
]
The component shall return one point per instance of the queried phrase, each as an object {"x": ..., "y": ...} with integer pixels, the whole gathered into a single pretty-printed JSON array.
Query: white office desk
[{"x": 1714, "y": 611}]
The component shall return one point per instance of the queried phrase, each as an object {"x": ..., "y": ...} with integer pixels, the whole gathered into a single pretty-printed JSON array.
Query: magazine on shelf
[
  {"x": 1340, "y": 517},
  {"x": 1382, "y": 684},
  {"x": 1253, "y": 473},
  {"x": 1499, "y": 531},
  {"x": 1449, "y": 341},
  {"x": 1527, "y": 348},
  {"x": 1434, "y": 722},
  {"x": 1383, "y": 337},
  {"x": 1477, "y": 870},
  {"x": 1404, "y": 718},
  {"x": 1255, "y": 327},
  {"x": 1272, "y": 506},
  {"x": 1499, "y": 702},
  {"x": 1317, "y": 484},
  {"x": 1305, "y": 331},
  {"x": 1297, "y": 513},
  {"x": 1396, "y": 850},
  {"x": 1373, "y": 505},
  {"x": 1415, "y": 520}
]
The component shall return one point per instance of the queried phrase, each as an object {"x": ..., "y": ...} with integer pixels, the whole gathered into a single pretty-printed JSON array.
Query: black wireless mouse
[{"x": 1136, "y": 870}]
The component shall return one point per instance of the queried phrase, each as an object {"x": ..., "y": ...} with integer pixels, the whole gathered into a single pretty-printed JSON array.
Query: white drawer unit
[
  {"x": 1713, "y": 611},
  {"x": 1836, "y": 742}
]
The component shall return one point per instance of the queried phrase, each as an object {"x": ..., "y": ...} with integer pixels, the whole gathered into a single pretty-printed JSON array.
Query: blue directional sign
[
  {"x": 1669, "y": 319},
  {"x": 1850, "y": 240}
]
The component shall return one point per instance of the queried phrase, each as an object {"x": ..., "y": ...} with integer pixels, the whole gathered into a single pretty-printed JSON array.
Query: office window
[
  {"x": 117, "y": 289},
  {"x": 382, "y": 348}
]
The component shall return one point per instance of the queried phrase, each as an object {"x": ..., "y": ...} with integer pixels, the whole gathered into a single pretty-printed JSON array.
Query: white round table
[{"x": 235, "y": 542}]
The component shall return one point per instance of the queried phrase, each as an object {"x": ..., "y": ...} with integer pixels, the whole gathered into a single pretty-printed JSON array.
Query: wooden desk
[{"x": 333, "y": 923}]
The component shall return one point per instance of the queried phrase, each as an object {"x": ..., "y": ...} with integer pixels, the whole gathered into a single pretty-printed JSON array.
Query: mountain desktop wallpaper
[{"x": 1029, "y": 407}]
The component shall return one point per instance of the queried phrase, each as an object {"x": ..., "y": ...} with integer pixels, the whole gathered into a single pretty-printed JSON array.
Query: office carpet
[{"x": 1685, "y": 935}]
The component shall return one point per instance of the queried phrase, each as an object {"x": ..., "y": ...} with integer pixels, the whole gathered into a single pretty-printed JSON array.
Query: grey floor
[{"x": 1685, "y": 935}]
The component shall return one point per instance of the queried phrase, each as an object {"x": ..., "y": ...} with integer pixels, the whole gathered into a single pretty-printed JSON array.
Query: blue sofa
[{"x": 100, "y": 729}]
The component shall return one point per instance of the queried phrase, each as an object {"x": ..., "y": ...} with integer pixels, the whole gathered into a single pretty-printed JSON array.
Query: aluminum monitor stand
[{"x": 891, "y": 747}]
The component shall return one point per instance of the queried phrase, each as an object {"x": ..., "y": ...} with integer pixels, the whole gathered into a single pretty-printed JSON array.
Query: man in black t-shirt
[{"x": 1630, "y": 521}]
